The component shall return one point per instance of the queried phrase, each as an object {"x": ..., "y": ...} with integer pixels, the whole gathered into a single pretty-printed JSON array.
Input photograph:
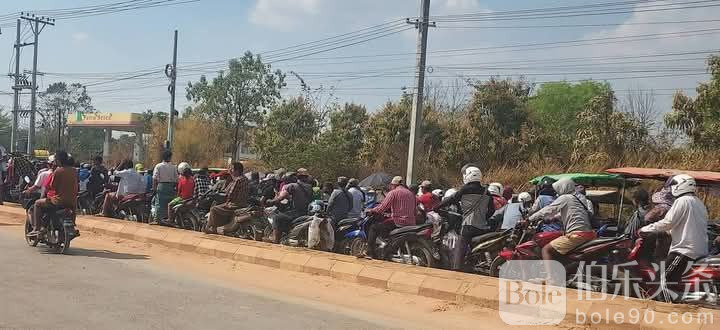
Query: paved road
[{"x": 98, "y": 289}]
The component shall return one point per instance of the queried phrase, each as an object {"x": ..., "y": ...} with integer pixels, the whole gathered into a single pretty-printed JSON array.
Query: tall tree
[
  {"x": 699, "y": 118},
  {"x": 238, "y": 96},
  {"x": 5, "y": 127},
  {"x": 59, "y": 101}
]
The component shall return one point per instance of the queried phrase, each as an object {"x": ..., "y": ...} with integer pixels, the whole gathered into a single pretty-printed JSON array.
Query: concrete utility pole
[
  {"x": 16, "y": 92},
  {"x": 35, "y": 22},
  {"x": 416, "y": 117},
  {"x": 171, "y": 72}
]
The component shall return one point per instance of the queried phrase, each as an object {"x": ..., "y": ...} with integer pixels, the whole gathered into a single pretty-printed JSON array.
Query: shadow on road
[{"x": 105, "y": 254}]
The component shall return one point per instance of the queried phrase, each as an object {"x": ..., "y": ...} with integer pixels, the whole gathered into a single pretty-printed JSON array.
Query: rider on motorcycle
[
  {"x": 687, "y": 223},
  {"x": 477, "y": 207},
  {"x": 509, "y": 215},
  {"x": 131, "y": 183},
  {"x": 62, "y": 192},
  {"x": 299, "y": 193},
  {"x": 575, "y": 218},
  {"x": 237, "y": 191},
  {"x": 43, "y": 179},
  {"x": 401, "y": 203},
  {"x": 340, "y": 201}
]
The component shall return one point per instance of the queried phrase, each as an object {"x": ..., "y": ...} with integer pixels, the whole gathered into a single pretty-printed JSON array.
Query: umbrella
[{"x": 379, "y": 179}]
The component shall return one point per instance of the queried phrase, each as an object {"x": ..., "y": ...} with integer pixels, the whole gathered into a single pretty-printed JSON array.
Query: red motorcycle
[
  {"x": 526, "y": 243},
  {"x": 700, "y": 285}
]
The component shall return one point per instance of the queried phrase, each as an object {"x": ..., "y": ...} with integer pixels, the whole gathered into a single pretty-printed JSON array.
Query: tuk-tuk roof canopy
[
  {"x": 702, "y": 177},
  {"x": 586, "y": 179}
]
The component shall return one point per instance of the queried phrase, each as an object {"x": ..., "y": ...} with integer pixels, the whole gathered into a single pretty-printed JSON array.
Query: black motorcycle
[{"x": 59, "y": 225}]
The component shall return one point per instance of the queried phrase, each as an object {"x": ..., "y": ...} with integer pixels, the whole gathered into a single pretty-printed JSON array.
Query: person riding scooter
[
  {"x": 237, "y": 191},
  {"x": 401, "y": 203},
  {"x": 476, "y": 206},
  {"x": 687, "y": 222},
  {"x": 298, "y": 192},
  {"x": 575, "y": 218},
  {"x": 131, "y": 183}
]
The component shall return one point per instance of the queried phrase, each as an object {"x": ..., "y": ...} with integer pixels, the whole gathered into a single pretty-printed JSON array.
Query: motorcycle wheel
[
  {"x": 357, "y": 246},
  {"x": 422, "y": 253},
  {"x": 32, "y": 241},
  {"x": 63, "y": 246},
  {"x": 188, "y": 221},
  {"x": 495, "y": 266}
]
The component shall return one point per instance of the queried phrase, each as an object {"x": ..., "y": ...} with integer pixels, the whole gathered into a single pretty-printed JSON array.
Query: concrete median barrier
[{"x": 434, "y": 283}]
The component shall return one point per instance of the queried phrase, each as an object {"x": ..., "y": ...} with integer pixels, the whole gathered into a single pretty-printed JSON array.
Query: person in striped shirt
[{"x": 401, "y": 203}]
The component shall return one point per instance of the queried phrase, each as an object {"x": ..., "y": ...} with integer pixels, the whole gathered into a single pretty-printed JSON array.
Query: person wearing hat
[
  {"x": 426, "y": 198},
  {"x": 401, "y": 203},
  {"x": 340, "y": 201}
]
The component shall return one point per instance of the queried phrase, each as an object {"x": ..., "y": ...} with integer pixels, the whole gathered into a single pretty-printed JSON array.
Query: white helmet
[
  {"x": 682, "y": 184},
  {"x": 495, "y": 188},
  {"x": 472, "y": 174},
  {"x": 524, "y": 197},
  {"x": 449, "y": 193},
  {"x": 438, "y": 193},
  {"x": 182, "y": 167}
]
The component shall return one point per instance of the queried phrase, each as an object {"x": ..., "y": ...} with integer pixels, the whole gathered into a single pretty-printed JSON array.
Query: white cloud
[
  {"x": 284, "y": 15},
  {"x": 80, "y": 36},
  {"x": 461, "y": 5}
]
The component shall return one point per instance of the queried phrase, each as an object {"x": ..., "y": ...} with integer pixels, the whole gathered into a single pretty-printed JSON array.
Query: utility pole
[
  {"x": 35, "y": 22},
  {"x": 422, "y": 26},
  {"x": 171, "y": 72},
  {"x": 16, "y": 93}
]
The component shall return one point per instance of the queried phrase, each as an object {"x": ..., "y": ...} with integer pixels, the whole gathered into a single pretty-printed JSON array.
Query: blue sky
[{"x": 78, "y": 49}]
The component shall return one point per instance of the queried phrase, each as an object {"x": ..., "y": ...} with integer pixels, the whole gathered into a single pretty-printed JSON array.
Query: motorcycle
[
  {"x": 312, "y": 230},
  {"x": 700, "y": 285},
  {"x": 408, "y": 245},
  {"x": 481, "y": 251},
  {"x": 607, "y": 251},
  {"x": 60, "y": 227},
  {"x": 343, "y": 227},
  {"x": 248, "y": 223},
  {"x": 186, "y": 217}
]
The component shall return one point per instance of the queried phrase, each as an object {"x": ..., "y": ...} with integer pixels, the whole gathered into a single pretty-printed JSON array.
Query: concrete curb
[{"x": 427, "y": 282}]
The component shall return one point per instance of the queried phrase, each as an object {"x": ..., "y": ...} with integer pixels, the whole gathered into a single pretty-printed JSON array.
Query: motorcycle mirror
[{"x": 27, "y": 179}]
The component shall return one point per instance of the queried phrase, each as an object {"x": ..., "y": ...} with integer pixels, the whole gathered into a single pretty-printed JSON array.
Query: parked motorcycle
[
  {"x": 409, "y": 245},
  {"x": 343, "y": 228},
  {"x": 59, "y": 225}
]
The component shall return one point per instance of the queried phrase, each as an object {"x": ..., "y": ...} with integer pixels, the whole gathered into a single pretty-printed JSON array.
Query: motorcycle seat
[
  {"x": 408, "y": 229},
  {"x": 300, "y": 220},
  {"x": 596, "y": 241},
  {"x": 485, "y": 237},
  {"x": 709, "y": 261},
  {"x": 349, "y": 221}
]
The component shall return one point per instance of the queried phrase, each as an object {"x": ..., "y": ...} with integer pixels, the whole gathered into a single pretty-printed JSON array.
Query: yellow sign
[{"x": 105, "y": 119}]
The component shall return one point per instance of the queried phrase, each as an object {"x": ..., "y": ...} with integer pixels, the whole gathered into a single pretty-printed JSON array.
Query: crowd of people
[{"x": 558, "y": 205}]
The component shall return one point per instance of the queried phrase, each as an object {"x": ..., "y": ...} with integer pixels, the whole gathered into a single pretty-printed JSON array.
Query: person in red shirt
[
  {"x": 427, "y": 199},
  {"x": 401, "y": 203},
  {"x": 185, "y": 189}
]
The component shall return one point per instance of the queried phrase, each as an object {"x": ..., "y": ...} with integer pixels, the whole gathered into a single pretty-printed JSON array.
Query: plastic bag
[{"x": 320, "y": 234}]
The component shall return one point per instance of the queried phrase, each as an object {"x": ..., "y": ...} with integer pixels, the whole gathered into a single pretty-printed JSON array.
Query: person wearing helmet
[
  {"x": 545, "y": 194},
  {"x": 509, "y": 215},
  {"x": 575, "y": 219},
  {"x": 687, "y": 222},
  {"x": 496, "y": 189},
  {"x": 476, "y": 206},
  {"x": 165, "y": 178}
]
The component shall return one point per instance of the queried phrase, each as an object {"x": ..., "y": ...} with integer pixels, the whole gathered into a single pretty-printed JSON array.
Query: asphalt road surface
[{"x": 100, "y": 289}]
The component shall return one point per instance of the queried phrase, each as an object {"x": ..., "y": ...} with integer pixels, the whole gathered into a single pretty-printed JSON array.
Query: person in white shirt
[
  {"x": 165, "y": 178},
  {"x": 686, "y": 221},
  {"x": 42, "y": 180},
  {"x": 131, "y": 183},
  {"x": 358, "y": 199}
]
